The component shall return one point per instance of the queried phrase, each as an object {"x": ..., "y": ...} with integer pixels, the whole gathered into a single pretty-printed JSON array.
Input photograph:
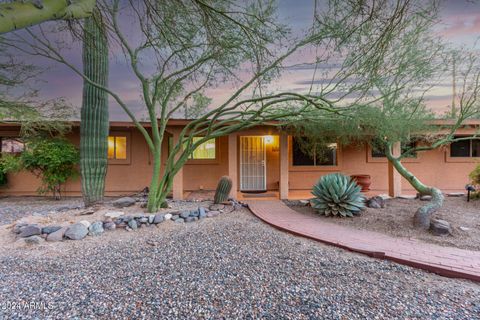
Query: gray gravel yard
[{"x": 230, "y": 266}]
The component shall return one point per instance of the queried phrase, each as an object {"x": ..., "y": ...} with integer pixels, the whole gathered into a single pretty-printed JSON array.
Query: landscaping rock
[
  {"x": 50, "y": 229},
  {"x": 96, "y": 228},
  {"x": 189, "y": 219},
  {"x": 426, "y": 198},
  {"x": 168, "y": 216},
  {"x": 194, "y": 213},
  {"x": 184, "y": 214},
  {"x": 179, "y": 220},
  {"x": 57, "y": 235},
  {"x": 464, "y": 228},
  {"x": 455, "y": 194},
  {"x": 132, "y": 224},
  {"x": 19, "y": 226},
  {"x": 30, "y": 230},
  {"x": 124, "y": 202},
  {"x": 305, "y": 202},
  {"x": 159, "y": 217},
  {"x": 76, "y": 231},
  {"x": 113, "y": 214},
  {"x": 440, "y": 227},
  {"x": 33, "y": 240},
  {"x": 151, "y": 218},
  {"x": 212, "y": 214},
  {"x": 127, "y": 219},
  {"x": 375, "y": 202},
  {"x": 143, "y": 220},
  {"x": 109, "y": 225},
  {"x": 217, "y": 207},
  {"x": 175, "y": 217},
  {"x": 85, "y": 223},
  {"x": 202, "y": 212}
]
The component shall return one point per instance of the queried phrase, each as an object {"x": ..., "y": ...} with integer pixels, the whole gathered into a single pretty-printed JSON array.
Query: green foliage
[
  {"x": 9, "y": 163},
  {"x": 475, "y": 175},
  {"x": 223, "y": 189},
  {"x": 53, "y": 160},
  {"x": 338, "y": 195}
]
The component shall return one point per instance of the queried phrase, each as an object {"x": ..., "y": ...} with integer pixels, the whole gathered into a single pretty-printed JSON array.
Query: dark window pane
[
  {"x": 299, "y": 157},
  {"x": 408, "y": 146},
  {"x": 328, "y": 156},
  {"x": 475, "y": 148},
  {"x": 378, "y": 151},
  {"x": 460, "y": 149}
]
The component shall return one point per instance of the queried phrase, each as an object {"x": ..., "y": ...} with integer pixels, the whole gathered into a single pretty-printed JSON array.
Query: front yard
[
  {"x": 396, "y": 220},
  {"x": 229, "y": 266}
]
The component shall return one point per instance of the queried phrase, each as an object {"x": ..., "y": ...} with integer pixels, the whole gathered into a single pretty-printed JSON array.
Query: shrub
[
  {"x": 54, "y": 160},
  {"x": 9, "y": 163},
  {"x": 337, "y": 194}
]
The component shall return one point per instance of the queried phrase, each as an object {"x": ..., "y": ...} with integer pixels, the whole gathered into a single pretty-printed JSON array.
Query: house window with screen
[
  {"x": 205, "y": 151},
  {"x": 325, "y": 157},
  {"x": 11, "y": 145},
  {"x": 465, "y": 149},
  {"x": 117, "y": 147},
  {"x": 378, "y": 150}
]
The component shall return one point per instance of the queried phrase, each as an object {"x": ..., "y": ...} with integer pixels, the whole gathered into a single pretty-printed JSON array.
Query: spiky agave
[{"x": 337, "y": 194}]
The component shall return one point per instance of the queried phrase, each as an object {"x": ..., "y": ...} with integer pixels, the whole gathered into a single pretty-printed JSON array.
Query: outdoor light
[{"x": 268, "y": 139}]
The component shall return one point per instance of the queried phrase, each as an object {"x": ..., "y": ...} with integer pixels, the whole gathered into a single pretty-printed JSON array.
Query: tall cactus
[
  {"x": 94, "y": 123},
  {"x": 223, "y": 190}
]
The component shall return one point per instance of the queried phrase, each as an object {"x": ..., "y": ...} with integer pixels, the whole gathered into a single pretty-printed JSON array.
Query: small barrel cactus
[
  {"x": 337, "y": 194},
  {"x": 223, "y": 189}
]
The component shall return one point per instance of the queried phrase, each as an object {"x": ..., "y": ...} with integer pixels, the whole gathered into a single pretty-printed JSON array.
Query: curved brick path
[{"x": 445, "y": 261}]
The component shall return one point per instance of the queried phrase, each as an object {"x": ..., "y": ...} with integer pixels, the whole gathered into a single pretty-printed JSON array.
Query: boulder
[
  {"x": 190, "y": 219},
  {"x": 113, "y": 214},
  {"x": 440, "y": 227},
  {"x": 57, "y": 235},
  {"x": 168, "y": 216},
  {"x": 85, "y": 223},
  {"x": 184, "y": 214},
  {"x": 109, "y": 225},
  {"x": 76, "y": 231},
  {"x": 179, "y": 220},
  {"x": 175, "y": 217},
  {"x": 96, "y": 228},
  {"x": 50, "y": 229},
  {"x": 127, "y": 219},
  {"x": 124, "y": 202},
  {"x": 159, "y": 217},
  {"x": 19, "y": 226},
  {"x": 143, "y": 220},
  {"x": 202, "y": 213},
  {"x": 132, "y": 224},
  {"x": 30, "y": 230},
  {"x": 31, "y": 240},
  {"x": 151, "y": 218}
]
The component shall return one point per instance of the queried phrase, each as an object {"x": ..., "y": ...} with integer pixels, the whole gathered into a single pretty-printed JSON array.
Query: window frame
[
  {"x": 13, "y": 137},
  {"x": 128, "y": 136},
  {"x": 216, "y": 160},
  {"x": 371, "y": 159},
  {"x": 449, "y": 158},
  {"x": 292, "y": 167}
]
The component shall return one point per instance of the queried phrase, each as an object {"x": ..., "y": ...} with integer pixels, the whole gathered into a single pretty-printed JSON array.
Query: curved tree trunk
[
  {"x": 94, "y": 124},
  {"x": 21, "y": 14},
  {"x": 423, "y": 215}
]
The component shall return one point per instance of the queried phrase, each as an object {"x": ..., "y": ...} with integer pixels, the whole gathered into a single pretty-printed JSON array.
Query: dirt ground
[{"x": 396, "y": 220}]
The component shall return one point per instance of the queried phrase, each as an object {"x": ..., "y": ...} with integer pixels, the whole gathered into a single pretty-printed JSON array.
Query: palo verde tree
[
  {"x": 179, "y": 49},
  {"x": 20, "y": 14},
  {"x": 396, "y": 111}
]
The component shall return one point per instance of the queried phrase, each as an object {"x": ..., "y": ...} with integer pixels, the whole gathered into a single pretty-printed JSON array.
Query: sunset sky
[{"x": 460, "y": 25}]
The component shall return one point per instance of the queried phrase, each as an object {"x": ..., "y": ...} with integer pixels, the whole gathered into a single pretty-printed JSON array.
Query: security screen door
[{"x": 252, "y": 164}]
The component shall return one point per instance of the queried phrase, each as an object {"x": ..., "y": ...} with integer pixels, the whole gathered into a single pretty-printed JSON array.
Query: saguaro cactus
[
  {"x": 94, "y": 123},
  {"x": 223, "y": 189}
]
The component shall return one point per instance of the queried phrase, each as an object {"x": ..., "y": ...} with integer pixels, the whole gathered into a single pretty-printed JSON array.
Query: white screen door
[{"x": 252, "y": 164}]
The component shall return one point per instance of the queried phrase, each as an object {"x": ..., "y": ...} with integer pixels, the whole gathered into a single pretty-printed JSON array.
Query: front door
[{"x": 252, "y": 164}]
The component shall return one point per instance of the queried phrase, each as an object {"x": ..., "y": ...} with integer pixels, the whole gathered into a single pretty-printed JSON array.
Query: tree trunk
[
  {"x": 423, "y": 215},
  {"x": 18, "y": 15},
  {"x": 94, "y": 125}
]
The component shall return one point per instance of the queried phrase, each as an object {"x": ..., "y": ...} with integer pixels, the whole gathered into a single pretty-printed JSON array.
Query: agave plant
[{"x": 337, "y": 194}]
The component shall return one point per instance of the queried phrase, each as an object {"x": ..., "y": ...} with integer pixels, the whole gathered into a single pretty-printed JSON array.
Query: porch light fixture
[{"x": 268, "y": 139}]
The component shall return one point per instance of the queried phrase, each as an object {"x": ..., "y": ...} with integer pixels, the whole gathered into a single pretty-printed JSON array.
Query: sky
[{"x": 460, "y": 26}]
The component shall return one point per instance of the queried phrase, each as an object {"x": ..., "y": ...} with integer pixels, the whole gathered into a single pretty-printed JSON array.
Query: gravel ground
[
  {"x": 231, "y": 266},
  {"x": 14, "y": 208},
  {"x": 396, "y": 220}
]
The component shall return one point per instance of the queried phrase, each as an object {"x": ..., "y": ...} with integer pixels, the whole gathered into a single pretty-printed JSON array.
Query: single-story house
[{"x": 260, "y": 159}]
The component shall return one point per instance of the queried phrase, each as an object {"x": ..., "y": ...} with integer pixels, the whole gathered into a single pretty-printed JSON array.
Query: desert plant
[
  {"x": 223, "y": 189},
  {"x": 337, "y": 194},
  {"x": 475, "y": 176},
  {"x": 54, "y": 160}
]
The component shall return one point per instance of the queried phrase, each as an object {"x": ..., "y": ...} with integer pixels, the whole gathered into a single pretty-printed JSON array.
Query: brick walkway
[{"x": 445, "y": 261}]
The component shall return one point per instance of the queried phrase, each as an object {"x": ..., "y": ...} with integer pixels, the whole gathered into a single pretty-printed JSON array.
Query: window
[
  {"x": 117, "y": 147},
  {"x": 378, "y": 150},
  {"x": 205, "y": 151},
  {"x": 326, "y": 156},
  {"x": 465, "y": 148},
  {"x": 11, "y": 145}
]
